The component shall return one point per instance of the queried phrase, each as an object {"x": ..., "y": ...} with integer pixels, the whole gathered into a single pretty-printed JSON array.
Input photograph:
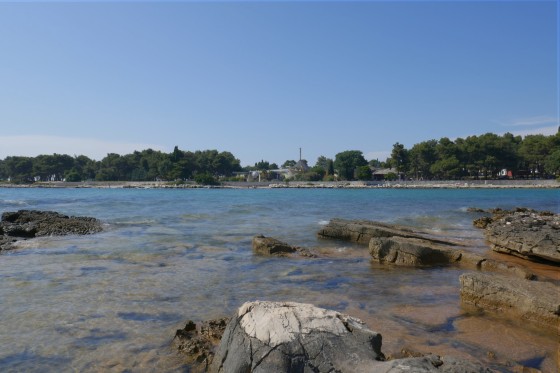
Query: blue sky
[{"x": 262, "y": 79}]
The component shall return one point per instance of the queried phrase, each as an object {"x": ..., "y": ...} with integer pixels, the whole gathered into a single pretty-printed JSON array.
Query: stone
[
  {"x": 533, "y": 301},
  {"x": 25, "y": 224},
  {"x": 198, "y": 342},
  {"x": 271, "y": 246},
  {"x": 362, "y": 231},
  {"x": 411, "y": 252},
  {"x": 525, "y": 233},
  {"x": 295, "y": 337}
]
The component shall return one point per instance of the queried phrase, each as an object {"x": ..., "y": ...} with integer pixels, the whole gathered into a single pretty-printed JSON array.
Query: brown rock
[{"x": 533, "y": 301}]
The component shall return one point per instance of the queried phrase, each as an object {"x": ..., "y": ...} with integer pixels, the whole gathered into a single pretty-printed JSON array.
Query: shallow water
[{"x": 112, "y": 301}]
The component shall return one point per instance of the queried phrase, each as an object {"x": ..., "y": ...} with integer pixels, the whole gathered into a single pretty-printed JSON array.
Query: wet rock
[
  {"x": 362, "y": 231},
  {"x": 296, "y": 337},
  {"x": 411, "y": 252},
  {"x": 482, "y": 222},
  {"x": 198, "y": 342},
  {"x": 533, "y": 301},
  {"x": 25, "y": 224},
  {"x": 527, "y": 234},
  {"x": 269, "y": 246}
]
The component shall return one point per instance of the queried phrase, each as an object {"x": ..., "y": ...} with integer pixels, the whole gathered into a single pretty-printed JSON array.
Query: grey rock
[
  {"x": 296, "y": 337},
  {"x": 411, "y": 252},
  {"x": 362, "y": 231},
  {"x": 534, "y": 301},
  {"x": 528, "y": 234}
]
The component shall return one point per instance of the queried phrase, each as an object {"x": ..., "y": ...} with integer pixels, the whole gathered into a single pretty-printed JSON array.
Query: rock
[
  {"x": 526, "y": 234},
  {"x": 482, "y": 222},
  {"x": 25, "y": 224},
  {"x": 273, "y": 247},
  {"x": 198, "y": 342},
  {"x": 414, "y": 252},
  {"x": 411, "y": 252},
  {"x": 533, "y": 301},
  {"x": 295, "y": 337},
  {"x": 362, "y": 231}
]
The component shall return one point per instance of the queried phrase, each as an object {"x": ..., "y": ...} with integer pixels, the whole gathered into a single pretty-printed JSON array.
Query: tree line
[
  {"x": 475, "y": 157},
  {"x": 146, "y": 165},
  {"x": 486, "y": 156}
]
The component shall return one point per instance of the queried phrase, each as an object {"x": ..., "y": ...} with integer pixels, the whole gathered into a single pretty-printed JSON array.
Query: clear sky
[{"x": 262, "y": 79}]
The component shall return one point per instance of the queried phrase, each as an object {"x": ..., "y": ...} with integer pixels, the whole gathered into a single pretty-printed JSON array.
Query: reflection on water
[{"x": 113, "y": 301}]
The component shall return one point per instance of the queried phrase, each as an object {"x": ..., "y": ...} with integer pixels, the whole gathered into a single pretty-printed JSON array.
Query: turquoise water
[{"x": 112, "y": 301}]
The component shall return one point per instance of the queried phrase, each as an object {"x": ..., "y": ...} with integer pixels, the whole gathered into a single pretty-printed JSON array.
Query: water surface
[{"x": 112, "y": 301}]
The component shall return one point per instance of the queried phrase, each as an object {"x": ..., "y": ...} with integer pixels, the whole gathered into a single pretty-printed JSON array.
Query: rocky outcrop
[
  {"x": 414, "y": 252},
  {"x": 527, "y": 234},
  {"x": 269, "y": 246},
  {"x": 536, "y": 302},
  {"x": 197, "y": 342},
  {"x": 26, "y": 224},
  {"x": 296, "y": 337},
  {"x": 411, "y": 252},
  {"x": 362, "y": 231}
]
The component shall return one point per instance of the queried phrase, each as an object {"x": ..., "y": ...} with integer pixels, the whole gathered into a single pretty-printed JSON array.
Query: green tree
[
  {"x": 363, "y": 173},
  {"x": 347, "y": 162},
  {"x": 399, "y": 157}
]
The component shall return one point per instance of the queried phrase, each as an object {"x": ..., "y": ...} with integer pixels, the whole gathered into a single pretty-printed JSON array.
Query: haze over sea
[{"x": 112, "y": 301}]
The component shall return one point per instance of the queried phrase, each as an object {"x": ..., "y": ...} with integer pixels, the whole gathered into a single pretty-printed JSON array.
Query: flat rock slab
[
  {"x": 534, "y": 301},
  {"x": 411, "y": 252},
  {"x": 296, "y": 337},
  {"x": 24, "y": 224},
  {"x": 362, "y": 231},
  {"x": 416, "y": 252},
  {"x": 527, "y": 234}
]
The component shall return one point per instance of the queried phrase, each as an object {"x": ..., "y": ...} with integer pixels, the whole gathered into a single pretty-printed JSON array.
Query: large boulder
[
  {"x": 533, "y": 301},
  {"x": 362, "y": 231},
  {"x": 525, "y": 233},
  {"x": 296, "y": 337},
  {"x": 25, "y": 224},
  {"x": 411, "y": 252}
]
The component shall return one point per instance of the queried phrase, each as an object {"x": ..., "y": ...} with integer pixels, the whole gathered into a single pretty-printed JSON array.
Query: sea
[{"x": 112, "y": 301}]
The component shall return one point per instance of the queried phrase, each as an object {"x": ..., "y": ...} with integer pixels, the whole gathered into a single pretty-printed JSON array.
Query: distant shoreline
[{"x": 444, "y": 184}]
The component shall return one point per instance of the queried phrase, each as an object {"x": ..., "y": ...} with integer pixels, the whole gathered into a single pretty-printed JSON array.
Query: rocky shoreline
[
  {"x": 449, "y": 184},
  {"x": 287, "y": 336}
]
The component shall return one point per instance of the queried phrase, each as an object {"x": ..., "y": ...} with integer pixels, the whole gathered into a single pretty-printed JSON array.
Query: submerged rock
[
  {"x": 297, "y": 337},
  {"x": 533, "y": 301},
  {"x": 24, "y": 224},
  {"x": 526, "y": 233}
]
